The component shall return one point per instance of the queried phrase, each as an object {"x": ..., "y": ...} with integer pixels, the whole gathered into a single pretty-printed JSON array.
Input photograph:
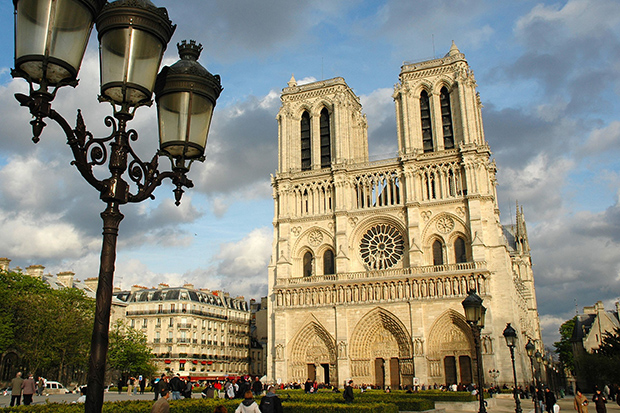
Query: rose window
[{"x": 382, "y": 247}]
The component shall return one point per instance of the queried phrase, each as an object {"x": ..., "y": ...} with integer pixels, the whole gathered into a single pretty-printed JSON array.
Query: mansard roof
[{"x": 182, "y": 294}]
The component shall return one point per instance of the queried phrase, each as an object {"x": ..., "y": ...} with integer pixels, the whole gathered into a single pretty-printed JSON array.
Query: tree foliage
[
  {"x": 48, "y": 329},
  {"x": 564, "y": 347},
  {"x": 128, "y": 351}
]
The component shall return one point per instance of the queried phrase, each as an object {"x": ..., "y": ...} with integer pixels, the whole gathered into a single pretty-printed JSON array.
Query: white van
[{"x": 53, "y": 387}]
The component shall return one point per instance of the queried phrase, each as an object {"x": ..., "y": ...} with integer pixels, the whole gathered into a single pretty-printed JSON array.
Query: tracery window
[
  {"x": 446, "y": 118},
  {"x": 326, "y": 158},
  {"x": 437, "y": 253},
  {"x": 328, "y": 263},
  {"x": 459, "y": 250},
  {"x": 425, "y": 115},
  {"x": 382, "y": 247},
  {"x": 306, "y": 153}
]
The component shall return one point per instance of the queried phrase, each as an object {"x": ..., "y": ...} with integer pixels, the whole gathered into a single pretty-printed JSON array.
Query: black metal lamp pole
[
  {"x": 511, "y": 341},
  {"x": 474, "y": 314},
  {"x": 529, "y": 348},
  {"x": 50, "y": 41}
]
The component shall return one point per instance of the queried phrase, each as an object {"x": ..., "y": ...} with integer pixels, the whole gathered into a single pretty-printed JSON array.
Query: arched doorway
[
  {"x": 451, "y": 346},
  {"x": 313, "y": 355},
  {"x": 381, "y": 351}
]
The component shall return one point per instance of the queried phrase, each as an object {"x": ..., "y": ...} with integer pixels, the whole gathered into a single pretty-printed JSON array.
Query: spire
[
  {"x": 292, "y": 82},
  {"x": 453, "y": 50}
]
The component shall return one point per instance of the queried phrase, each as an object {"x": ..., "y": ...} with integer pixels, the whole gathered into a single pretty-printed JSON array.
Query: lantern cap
[
  {"x": 187, "y": 73},
  {"x": 141, "y": 14},
  {"x": 510, "y": 334}
]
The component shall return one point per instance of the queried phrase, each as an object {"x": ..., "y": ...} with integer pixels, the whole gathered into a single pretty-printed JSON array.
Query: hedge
[{"x": 293, "y": 401}]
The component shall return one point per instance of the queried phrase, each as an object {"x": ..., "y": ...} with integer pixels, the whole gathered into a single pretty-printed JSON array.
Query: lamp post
[
  {"x": 474, "y": 314},
  {"x": 50, "y": 41},
  {"x": 529, "y": 348},
  {"x": 511, "y": 341}
]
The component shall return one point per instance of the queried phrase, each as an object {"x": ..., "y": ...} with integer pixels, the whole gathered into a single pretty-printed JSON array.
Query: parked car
[{"x": 53, "y": 387}]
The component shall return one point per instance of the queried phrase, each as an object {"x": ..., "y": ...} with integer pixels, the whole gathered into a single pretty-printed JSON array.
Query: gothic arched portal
[
  {"x": 313, "y": 353},
  {"x": 450, "y": 350},
  {"x": 381, "y": 350}
]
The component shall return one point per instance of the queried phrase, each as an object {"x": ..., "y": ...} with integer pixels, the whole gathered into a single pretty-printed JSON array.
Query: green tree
[
  {"x": 128, "y": 351},
  {"x": 564, "y": 347},
  {"x": 47, "y": 328}
]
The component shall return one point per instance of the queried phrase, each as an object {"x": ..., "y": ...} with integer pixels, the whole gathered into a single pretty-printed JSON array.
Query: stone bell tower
[{"x": 371, "y": 260}]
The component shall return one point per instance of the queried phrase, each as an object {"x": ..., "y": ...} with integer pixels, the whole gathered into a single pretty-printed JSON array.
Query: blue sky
[{"x": 547, "y": 73}]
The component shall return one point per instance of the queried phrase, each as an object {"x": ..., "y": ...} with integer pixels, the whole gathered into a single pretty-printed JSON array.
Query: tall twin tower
[{"x": 371, "y": 260}]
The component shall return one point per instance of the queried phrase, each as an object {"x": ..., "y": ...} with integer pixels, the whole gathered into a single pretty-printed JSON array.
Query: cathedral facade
[{"x": 371, "y": 260}]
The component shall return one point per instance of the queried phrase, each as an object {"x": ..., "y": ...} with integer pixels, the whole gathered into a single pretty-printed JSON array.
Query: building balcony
[
  {"x": 184, "y": 326},
  {"x": 411, "y": 272}
]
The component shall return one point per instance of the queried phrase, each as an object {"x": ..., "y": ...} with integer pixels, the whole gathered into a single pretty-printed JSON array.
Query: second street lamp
[
  {"x": 510, "y": 335},
  {"x": 50, "y": 40},
  {"x": 529, "y": 348},
  {"x": 475, "y": 316}
]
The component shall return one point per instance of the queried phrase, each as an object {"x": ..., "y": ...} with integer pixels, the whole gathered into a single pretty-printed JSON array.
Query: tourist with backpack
[{"x": 271, "y": 403}]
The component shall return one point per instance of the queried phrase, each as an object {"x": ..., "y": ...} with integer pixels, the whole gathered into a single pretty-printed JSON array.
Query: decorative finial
[
  {"x": 453, "y": 49},
  {"x": 292, "y": 82},
  {"x": 189, "y": 51}
]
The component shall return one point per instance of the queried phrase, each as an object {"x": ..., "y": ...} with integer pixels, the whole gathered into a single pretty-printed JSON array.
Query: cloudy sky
[{"x": 547, "y": 75}]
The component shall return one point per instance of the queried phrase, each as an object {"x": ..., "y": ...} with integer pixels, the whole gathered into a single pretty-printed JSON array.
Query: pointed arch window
[
  {"x": 446, "y": 118},
  {"x": 306, "y": 153},
  {"x": 437, "y": 253},
  {"x": 328, "y": 263},
  {"x": 326, "y": 156},
  {"x": 308, "y": 259},
  {"x": 459, "y": 250},
  {"x": 425, "y": 115}
]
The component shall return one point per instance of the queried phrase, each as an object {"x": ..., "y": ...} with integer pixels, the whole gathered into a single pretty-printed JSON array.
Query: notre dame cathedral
[{"x": 371, "y": 260}]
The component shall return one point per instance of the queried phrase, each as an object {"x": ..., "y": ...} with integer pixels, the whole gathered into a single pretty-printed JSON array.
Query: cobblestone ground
[{"x": 505, "y": 405}]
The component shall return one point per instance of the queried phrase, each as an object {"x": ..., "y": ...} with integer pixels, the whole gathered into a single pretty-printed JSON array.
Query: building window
[
  {"x": 308, "y": 264},
  {"x": 160, "y": 308},
  {"x": 382, "y": 247},
  {"x": 145, "y": 323},
  {"x": 172, "y": 308},
  {"x": 306, "y": 153},
  {"x": 325, "y": 140},
  {"x": 171, "y": 322},
  {"x": 459, "y": 250},
  {"x": 446, "y": 118},
  {"x": 427, "y": 129},
  {"x": 437, "y": 253},
  {"x": 328, "y": 262}
]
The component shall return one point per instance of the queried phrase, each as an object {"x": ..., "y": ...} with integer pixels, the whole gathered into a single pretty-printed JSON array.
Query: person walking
[
  {"x": 257, "y": 387},
  {"x": 248, "y": 405},
  {"x": 120, "y": 384},
  {"x": 159, "y": 386},
  {"x": 581, "y": 402},
  {"x": 549, "y": 400},
  {"x": 161, "y": 405},
  {"x": 271, "y": 403},
  {"x": 348, "y": 393},
  {"x": 176, "y": 387},
  {"x": 16, "y": 389},
  {"x": 129, "y": 386},
  {"x": 600, "y": 401},
  {"x": 40, "y": 386},
  {"x": 28, "y": 389}
]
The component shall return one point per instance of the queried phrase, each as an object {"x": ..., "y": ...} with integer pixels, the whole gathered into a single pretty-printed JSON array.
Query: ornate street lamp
[
  {"x": 50, "y": 41},
  {"x": 511, "y": 341},
  {"x": 530, "y": 348},
  {"x": 494, "y": 373},
  {"x": 475, "y": 314}
]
